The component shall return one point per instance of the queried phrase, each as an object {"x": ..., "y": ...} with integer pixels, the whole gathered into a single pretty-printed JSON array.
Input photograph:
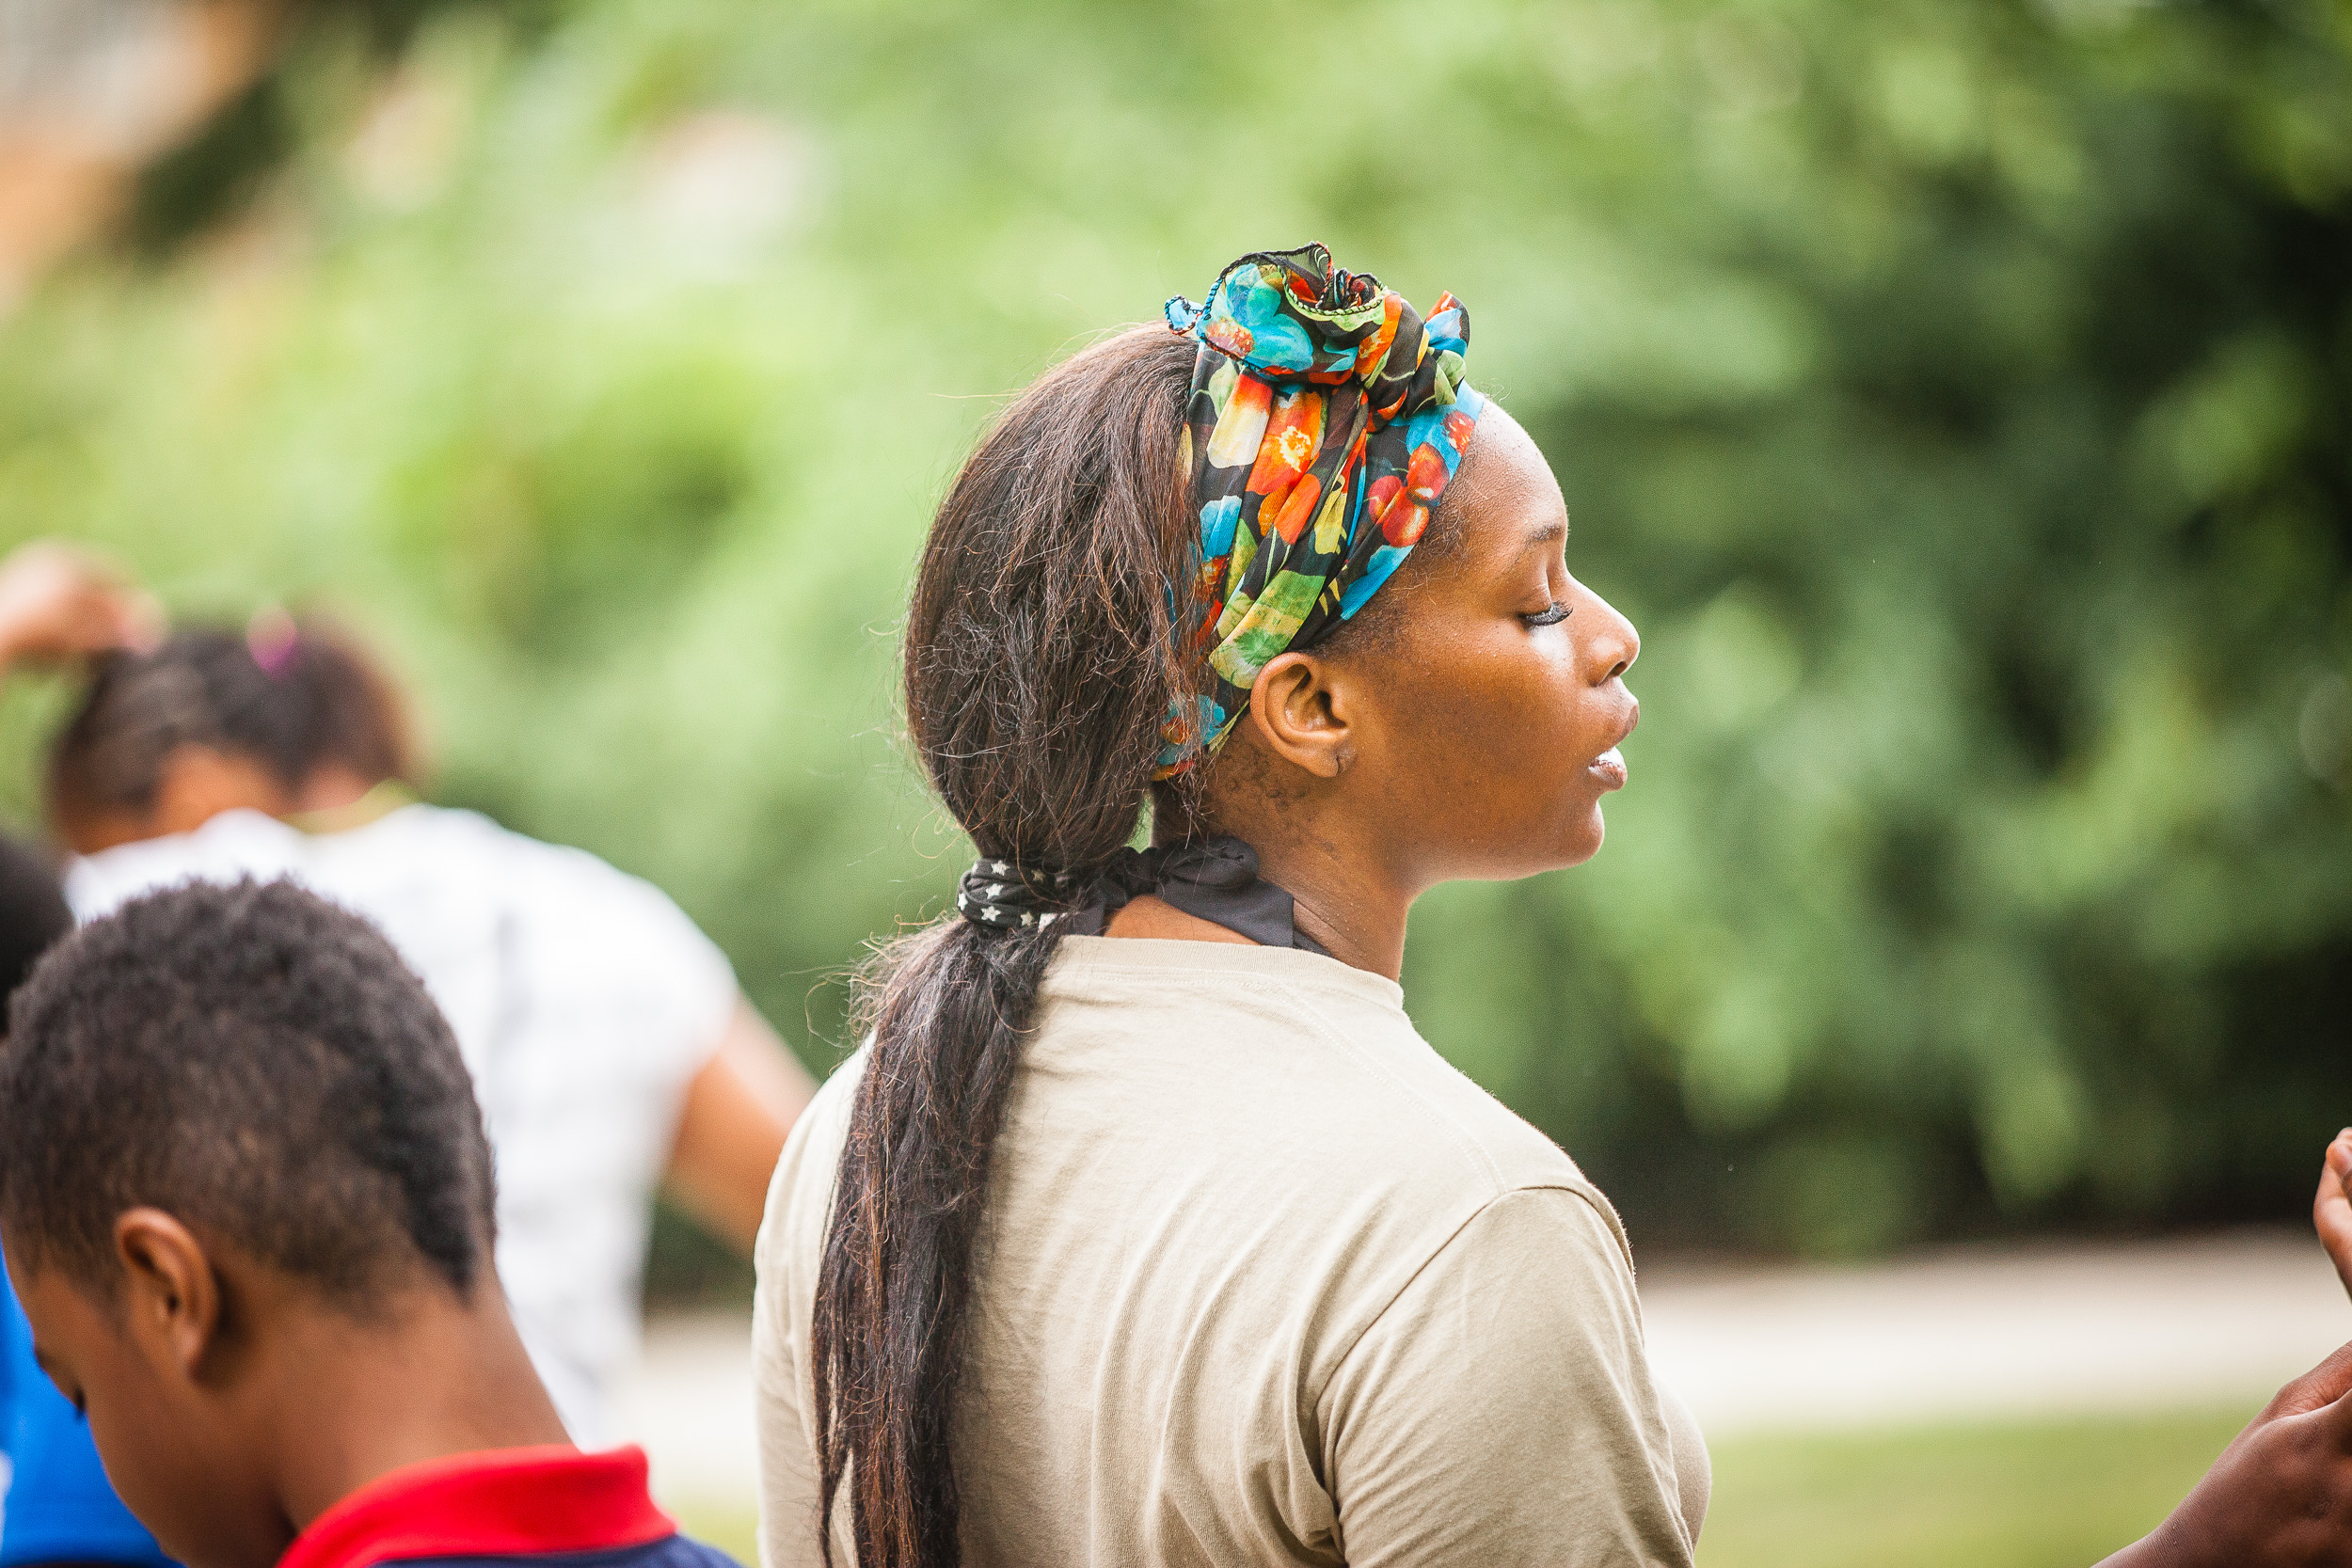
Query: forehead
[{"x": 1507, "y": 502}]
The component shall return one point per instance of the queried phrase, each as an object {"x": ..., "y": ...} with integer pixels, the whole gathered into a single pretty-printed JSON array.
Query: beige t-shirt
[{"x": 1263, "y": 1280}]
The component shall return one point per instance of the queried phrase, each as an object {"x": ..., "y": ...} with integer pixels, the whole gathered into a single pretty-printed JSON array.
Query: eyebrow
[{"x": 1550, "y": 534}]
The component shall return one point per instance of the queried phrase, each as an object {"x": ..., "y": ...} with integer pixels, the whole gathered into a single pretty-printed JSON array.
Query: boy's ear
[
  {"x": 1300, "y": 708},
  {"x": 170, "y": 1293}
]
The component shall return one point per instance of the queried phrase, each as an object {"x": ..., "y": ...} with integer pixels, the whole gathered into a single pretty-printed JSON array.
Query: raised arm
[
  {"x": 2280, "y": 1495},
  {"x": 60, "y": 603},
  {"x": 738, "y": 1110}
]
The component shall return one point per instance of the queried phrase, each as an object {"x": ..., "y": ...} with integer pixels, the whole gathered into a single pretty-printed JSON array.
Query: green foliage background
[{"x": 1958, "y": 394}]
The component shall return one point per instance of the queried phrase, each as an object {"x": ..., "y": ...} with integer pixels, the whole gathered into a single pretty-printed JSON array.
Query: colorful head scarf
[{"x": 1325, "y": 420}]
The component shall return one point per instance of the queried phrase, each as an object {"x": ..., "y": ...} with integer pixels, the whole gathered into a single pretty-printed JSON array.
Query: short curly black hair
[{"x": 260, "y": 1064}]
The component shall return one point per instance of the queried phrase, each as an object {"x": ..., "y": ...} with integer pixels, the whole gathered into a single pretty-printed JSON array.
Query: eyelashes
[{"x": 1552, "y": 617}]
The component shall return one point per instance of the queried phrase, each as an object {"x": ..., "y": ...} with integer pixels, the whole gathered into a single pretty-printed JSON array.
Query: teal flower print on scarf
[{"x": 1325, "y": 420}]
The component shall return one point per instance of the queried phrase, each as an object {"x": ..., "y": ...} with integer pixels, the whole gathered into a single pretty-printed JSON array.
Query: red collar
[{"x": 505, "y": 1502}]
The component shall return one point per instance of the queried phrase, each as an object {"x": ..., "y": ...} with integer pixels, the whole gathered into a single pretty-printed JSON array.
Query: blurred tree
[{"x": 1958, "y": 395}]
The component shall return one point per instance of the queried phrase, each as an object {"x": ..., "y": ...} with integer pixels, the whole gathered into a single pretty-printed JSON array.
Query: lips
[{"x": 1609, "y": 767}]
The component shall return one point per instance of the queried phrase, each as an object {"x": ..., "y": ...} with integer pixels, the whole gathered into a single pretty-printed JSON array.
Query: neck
[
  {"x": 1355, "y": 913},
  {"x": 1345, "y": 889},
  {"x": 353, "y": 1402},
  {"x": 1346, "y": 934}
]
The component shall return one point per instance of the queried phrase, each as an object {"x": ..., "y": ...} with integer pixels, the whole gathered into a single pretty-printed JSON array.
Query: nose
[{"x": 1612, "y": 645}]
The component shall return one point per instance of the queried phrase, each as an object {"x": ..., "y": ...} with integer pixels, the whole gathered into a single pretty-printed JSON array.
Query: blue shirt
[{"x": 55, "y": 1503}]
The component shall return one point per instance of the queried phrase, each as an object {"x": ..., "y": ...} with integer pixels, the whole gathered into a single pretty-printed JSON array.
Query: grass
[
  {"x": 730, "y": 1527},
  {"x": 2040, "y": 1495},
  {"x": 2027, "y": 1494},
  {"x": 733, "y": 1528}
]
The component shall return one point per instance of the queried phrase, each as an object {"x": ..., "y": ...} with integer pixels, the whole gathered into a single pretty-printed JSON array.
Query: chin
[
  {"x": 1583, "y": 841},
  {"x": 1570, "y": 844}
]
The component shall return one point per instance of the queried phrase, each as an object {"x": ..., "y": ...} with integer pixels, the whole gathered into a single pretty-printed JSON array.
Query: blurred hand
[
  {"x": 59, "y": 603},
  {"x": 2279, "y": 1496},
  {"x": 2331, "y": 1211}
]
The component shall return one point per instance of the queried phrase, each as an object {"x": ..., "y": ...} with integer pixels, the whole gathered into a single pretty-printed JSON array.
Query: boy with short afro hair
[{"x": 248, "y": 1204}]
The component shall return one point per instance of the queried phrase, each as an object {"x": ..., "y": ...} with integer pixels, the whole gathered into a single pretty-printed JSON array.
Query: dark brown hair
[
  {"x": 260, "y": 1063},
  {"x": 321, "y": 701},
  {"x": 1040, "y": 667}
]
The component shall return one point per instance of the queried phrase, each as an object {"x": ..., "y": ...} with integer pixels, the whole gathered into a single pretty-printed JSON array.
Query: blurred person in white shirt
[{"x": 610, "y": 1047}]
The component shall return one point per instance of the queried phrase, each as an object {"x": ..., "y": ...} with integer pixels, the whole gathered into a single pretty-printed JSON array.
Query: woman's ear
[
  {"x": 170, "y": 1290},
  {"x": 1300, "y": 709}
]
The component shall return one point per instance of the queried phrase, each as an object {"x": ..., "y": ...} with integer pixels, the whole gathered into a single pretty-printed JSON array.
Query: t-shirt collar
[{"x": 502, "y": 1502}]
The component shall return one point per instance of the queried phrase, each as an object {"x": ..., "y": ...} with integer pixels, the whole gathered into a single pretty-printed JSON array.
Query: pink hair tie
[{"x": 272, "y": 637}]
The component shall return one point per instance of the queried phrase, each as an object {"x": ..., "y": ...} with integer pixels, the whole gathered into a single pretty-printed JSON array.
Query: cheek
[{"x": 1499, "y": 729}]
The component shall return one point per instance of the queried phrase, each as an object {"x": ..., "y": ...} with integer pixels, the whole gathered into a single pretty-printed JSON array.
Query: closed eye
[{"x": 1552, "y": 617}]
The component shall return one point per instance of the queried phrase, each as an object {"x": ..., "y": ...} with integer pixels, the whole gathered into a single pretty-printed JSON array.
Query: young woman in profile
[{"x": 1145, "y": 1230}]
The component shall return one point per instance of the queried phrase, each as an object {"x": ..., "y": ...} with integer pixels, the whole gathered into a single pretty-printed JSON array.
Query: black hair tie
[
  {"x": 1216, "y": 879},
  {"x": 1000, "y": 894}
]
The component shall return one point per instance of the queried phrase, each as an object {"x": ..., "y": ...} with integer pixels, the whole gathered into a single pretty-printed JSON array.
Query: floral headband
[{"x": 1326, "y": 418}]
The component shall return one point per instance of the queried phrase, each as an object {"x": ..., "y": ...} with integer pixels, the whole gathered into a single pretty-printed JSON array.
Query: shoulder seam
[{"x": 1438, "y": 1251}]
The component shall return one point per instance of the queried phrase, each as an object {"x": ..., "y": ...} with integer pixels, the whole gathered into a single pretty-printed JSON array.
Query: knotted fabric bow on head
[{"x": 1325, "y": 420}]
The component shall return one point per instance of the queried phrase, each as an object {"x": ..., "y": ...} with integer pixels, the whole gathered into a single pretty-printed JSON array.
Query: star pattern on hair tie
[{"x": 1003, "y": 896}]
